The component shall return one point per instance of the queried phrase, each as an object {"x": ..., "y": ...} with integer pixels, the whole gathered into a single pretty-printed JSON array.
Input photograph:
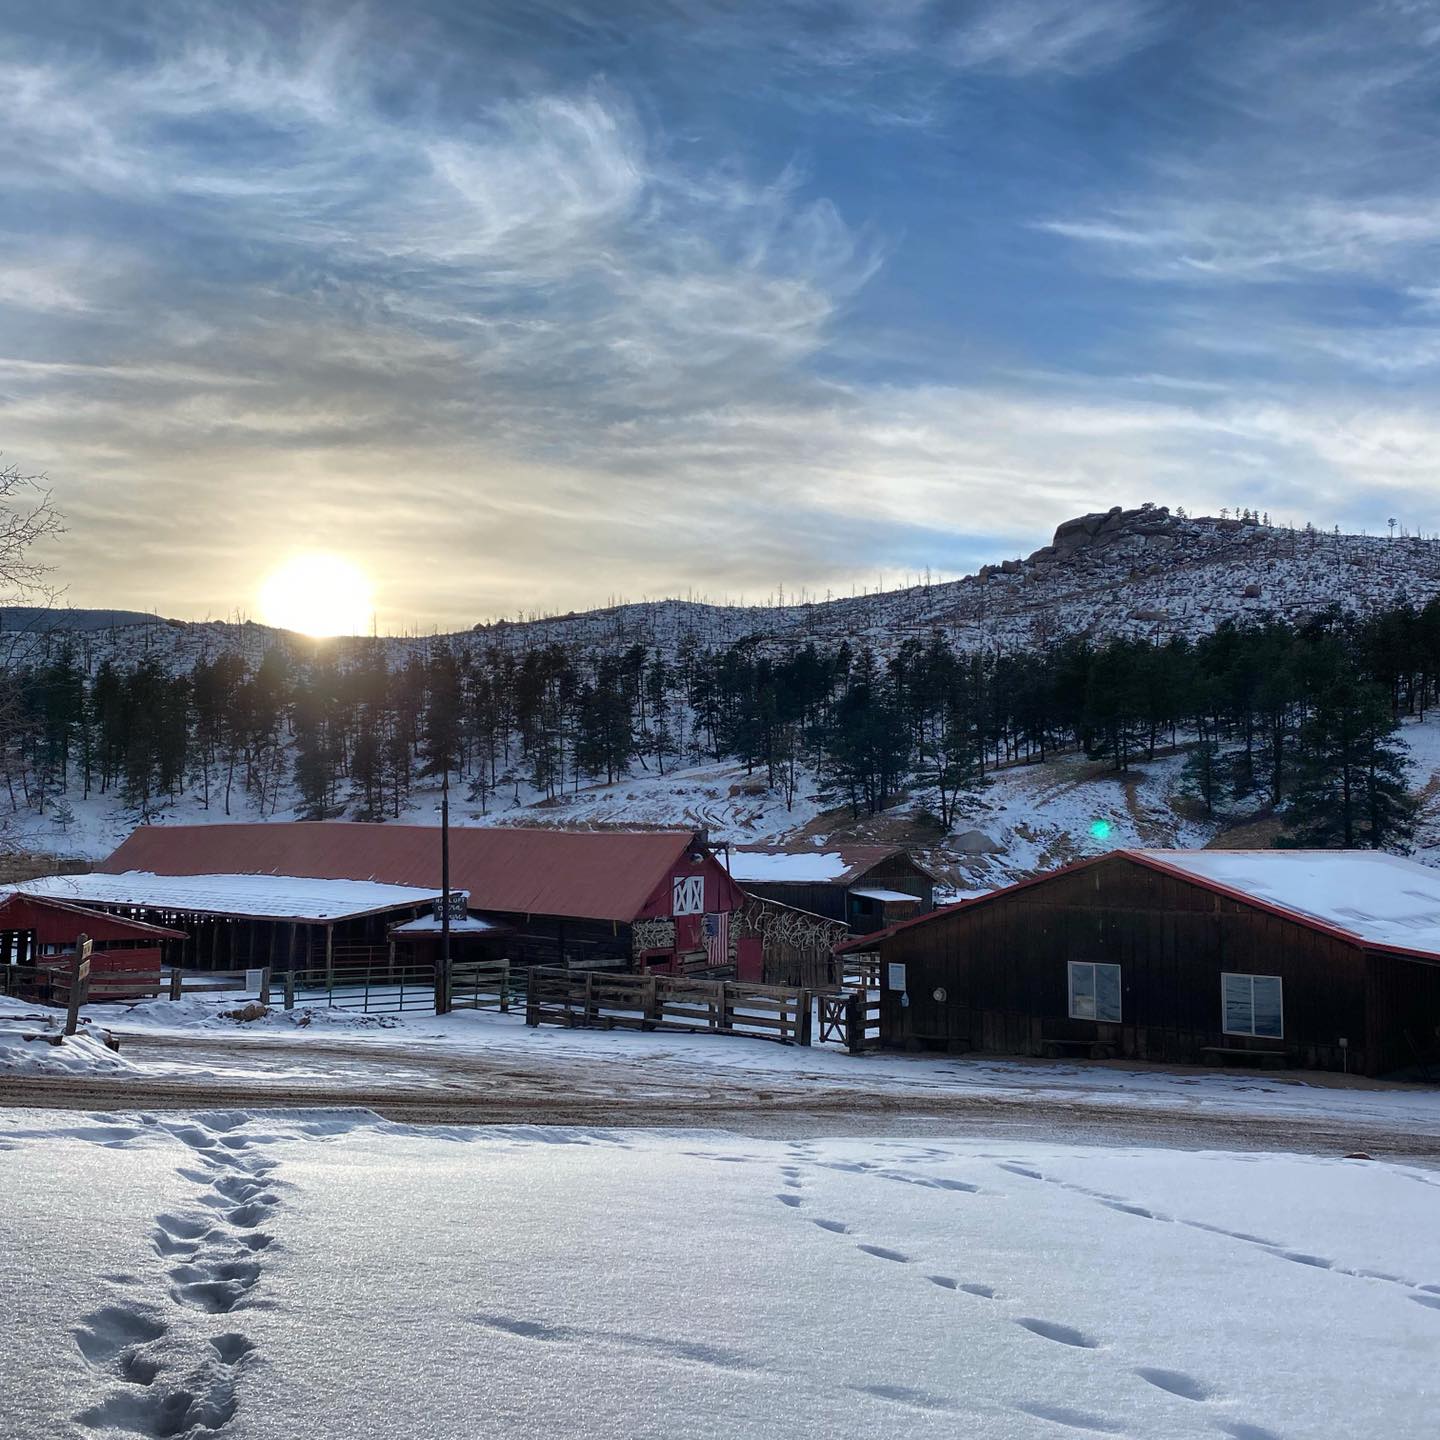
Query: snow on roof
[
  {"x": 249, "y": 897},
  {"x": 470, "y": 925},
  {"x": 1378, "y": 899},
  {"x": 889, "y": 897},
  {"x": 805, "y": 867},
  {"x": 770, "y": 863}
]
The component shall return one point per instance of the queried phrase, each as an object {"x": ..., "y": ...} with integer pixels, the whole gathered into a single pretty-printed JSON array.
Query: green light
[{"x": 1100, "y": 829}]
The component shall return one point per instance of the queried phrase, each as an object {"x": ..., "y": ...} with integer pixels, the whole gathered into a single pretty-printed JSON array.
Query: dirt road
[{"x": 430, "y": 1086}]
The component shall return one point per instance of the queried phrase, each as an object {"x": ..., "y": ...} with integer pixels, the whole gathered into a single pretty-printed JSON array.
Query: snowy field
[{"x": 312, "y": 1274}]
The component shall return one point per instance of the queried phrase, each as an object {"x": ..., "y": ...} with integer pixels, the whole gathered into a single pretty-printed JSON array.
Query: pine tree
[{"x": 1351, "y": 791}]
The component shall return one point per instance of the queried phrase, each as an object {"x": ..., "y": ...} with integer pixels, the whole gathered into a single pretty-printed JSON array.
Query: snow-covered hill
[
  {"x": 1123, "y": 572},
  {"x": 1143, "y": 572}
]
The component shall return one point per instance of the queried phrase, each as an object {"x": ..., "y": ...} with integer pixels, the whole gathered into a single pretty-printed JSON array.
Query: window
[
  {"x": 1252, "y": 1005},
  {"x": 1094, "y": 991}
]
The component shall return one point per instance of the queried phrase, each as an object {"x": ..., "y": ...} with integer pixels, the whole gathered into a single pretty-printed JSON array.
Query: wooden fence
[
  {"x": 667, "y": 1002},
  {"x": 202, "y": 982},
  {"x": 482, "y": 985}
]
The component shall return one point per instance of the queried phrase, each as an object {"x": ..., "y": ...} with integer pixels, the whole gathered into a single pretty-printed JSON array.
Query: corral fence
[
  {"x": 851, "y": 1015},
  {"x": 667, "y": 1002}
]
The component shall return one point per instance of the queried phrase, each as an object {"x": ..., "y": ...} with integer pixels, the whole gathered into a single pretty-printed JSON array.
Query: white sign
[
  {"x": 895, "y": 976},
  {"x": 459, "y": 906},
  {"x": 688, "y": 895},
  {"x": 254, "y": 980}
]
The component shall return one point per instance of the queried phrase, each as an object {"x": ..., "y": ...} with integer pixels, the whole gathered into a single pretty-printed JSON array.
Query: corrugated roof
[
  {"x": 595, "y": 874},
  {"x": 1383, "y": 902},
  {"x": 105, "y": 927},
  {"x": 240, "y": 897},
  {"x": 1379, "y": 900}
]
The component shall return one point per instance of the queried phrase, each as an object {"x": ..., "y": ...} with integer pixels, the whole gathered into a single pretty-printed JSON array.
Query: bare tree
[{"x": 27, "y": 517}]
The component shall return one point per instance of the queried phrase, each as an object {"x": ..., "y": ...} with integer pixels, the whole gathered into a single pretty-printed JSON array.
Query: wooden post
[
  {"x": 290, "y": 989},
  {"x": 504, "y": 987},
  {"x": 589, "y": 997},
  {"x": 532, "y": 998},
  {"x": 807, "y": 1019},
  {"x": 177, "y": 982},
  {"x": 652, "y": 1002},
  {"x": 79, "y": 982},
  {"x": 722, "y": 1007},
  {"x": 265, "y": 985},
  {"x": 855, "y": 1022},
  {"x": 330, "y": 957},
  {"x": 290, "y": 951}
]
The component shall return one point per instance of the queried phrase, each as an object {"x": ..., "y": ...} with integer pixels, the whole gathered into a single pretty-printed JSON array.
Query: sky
[{"x": 524, "y": 307}]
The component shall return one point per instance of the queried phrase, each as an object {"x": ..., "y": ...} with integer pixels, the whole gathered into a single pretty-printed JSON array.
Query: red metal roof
[
  {"x": 59, "y": 921},
  {"x": 593, "y": 874}
]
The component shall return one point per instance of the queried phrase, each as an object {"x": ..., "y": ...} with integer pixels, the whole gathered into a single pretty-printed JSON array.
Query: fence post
[
  {"x": 532, "y": 998},
  {"x": 177, "y": 982},
  {"x": 79, "y": 982},
  {"x": 652, "y": 1002},
  {"x": 722, "y": 1007},
  {"x": 855, "y": 1022},
  {"x": 806, "y": 1019},
  {"x": 289, "y": 989},
  {"x": 265, "y": 985},
  {"x": 504, "y": 987},
  {"x": 590, "y": 997}
]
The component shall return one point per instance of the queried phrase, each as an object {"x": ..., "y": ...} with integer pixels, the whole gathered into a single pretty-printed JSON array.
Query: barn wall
[
  {"x": 1404, "y": 1013},
  {"x": 1002, "y": 966},
  {"x": 818, "y": 898}
]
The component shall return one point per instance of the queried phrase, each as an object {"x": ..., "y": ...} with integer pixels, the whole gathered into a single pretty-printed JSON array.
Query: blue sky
[{"x": 526, "y": 307}]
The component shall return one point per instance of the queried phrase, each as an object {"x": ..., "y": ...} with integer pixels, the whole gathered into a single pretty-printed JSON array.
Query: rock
[
  {"x": 1252, "y": 591},
  {"x": 977, "y": 842},
  {"x": 1154, "y": 616},
  {"x": 1010, "y": 567}
]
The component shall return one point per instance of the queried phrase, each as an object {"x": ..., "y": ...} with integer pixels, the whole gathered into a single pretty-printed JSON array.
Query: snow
[
  {"x": 783, "y": 867},
  {"x": 421, "y": 1047},
  {"x": 889, "y": 897},
  {"x": 33, "y": 1045},
  {"x": 264, "y": 897},
  {"x": 307, "y": 1274},
  {"x": 1377, "y": 898}
]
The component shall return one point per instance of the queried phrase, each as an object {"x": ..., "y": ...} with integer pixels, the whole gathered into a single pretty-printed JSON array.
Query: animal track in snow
[
  {"x": 985, "y": 1292},
  {"x": 945, "y": 1282},
  {"x": 881, "y": 1253},
  {"x": 904, "y": 1395},
  {"x": 1061, "y": 1334},
  {"x": 1075, "y": 1419},
  {"x": 835, "y": 1227},
  {"x": 790, "y": 1200},
  {"x": 691, "y": 1352},
  {"x": 1176, "y": 1382}
]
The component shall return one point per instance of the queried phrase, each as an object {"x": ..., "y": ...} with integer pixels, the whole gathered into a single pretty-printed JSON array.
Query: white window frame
[
  {"x": 1225, "y": 1008},
  {"x": 687, "y": 895},
  {"x": 1071, "y": 966}
]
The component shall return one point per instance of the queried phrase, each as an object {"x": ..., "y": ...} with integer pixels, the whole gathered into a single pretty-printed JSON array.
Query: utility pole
[{"x": 442, "y": 973}]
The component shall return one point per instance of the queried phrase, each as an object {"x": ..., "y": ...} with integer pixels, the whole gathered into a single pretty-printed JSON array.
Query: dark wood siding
[{"x": 1002, "y": 967}]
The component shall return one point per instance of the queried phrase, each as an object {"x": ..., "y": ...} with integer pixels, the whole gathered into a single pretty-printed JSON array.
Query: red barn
[
  {"x": 125, "y": 955},
  {"x": 659, "y": 899}
]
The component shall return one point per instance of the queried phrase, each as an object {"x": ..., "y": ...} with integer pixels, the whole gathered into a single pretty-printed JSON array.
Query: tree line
[{"x": 1298, "y": 719}]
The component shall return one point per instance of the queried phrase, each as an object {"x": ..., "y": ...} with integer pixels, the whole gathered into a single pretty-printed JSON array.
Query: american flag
[{"x": 716, "y": 929}]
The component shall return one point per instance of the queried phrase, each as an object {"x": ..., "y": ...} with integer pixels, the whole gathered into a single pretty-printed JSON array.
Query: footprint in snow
[
  {"x": 835, "y": 1227},
  {"x": 881, "y": 1253},
  {"x": 1074, "y": 1419},
  {"x": 1187, "y": 1387},
  {"x": 1061, "y": 1334},
  {"x": 791, "y": 1200}
]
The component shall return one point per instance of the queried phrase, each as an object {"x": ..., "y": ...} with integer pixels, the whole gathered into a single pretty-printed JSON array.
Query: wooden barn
[
  {"x": 866, "y": 887},
  {"x": 307, "y": 894},
  {"x": 38, "y": 933},
  {"x": 1327, "y": 959}
]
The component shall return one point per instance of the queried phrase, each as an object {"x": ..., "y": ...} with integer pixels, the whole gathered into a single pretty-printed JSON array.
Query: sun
[{"x": 318, "y": 594}]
